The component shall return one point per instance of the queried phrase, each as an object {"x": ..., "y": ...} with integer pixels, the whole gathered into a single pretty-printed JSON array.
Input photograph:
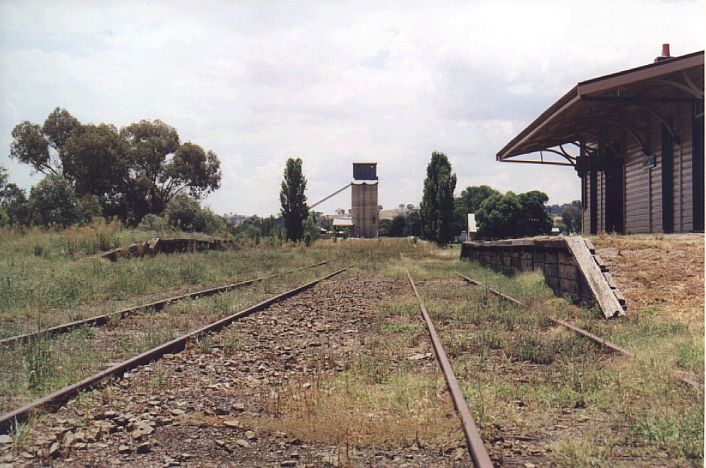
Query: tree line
[
  {"x": 441, "y": 216},
  {"x": 497, "y": 215},
  {"x": 144, "y": 175},
  {"x": 99, "y": 170}
]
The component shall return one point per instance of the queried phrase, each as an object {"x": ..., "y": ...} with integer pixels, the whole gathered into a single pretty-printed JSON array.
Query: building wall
[
  {"x": 364, "y": 212},
  {"x": 642, "y": 185},
  {"x": 586, "y": 204},
  {"x": 683, "y": 175}
]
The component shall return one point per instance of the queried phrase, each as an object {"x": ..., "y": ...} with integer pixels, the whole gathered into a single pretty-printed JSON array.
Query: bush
[
  {"x": 210, "y": 223},
  {"x": 88, "y": 207},
  {"x": 4, "y": 218},
  {"x": 311, "y": 229}
]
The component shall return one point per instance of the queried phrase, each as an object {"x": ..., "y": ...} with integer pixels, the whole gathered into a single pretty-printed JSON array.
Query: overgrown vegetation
[{"x": 522, "y": 376}]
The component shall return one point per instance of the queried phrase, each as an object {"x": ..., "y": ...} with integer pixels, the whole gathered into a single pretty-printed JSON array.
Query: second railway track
[
  {"x": 61, "y": 396},
  {"x": 104, "y": 319},
  {"x": 46, "y": 363}
]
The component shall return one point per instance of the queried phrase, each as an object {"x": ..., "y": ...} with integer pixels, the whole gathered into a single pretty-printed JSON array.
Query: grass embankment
[{"x": 46, "y": 278}]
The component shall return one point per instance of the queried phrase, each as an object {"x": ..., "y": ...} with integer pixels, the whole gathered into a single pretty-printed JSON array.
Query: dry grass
[
  {"x": 360, "y": 409},
  {"x": 654, "y": 271}
]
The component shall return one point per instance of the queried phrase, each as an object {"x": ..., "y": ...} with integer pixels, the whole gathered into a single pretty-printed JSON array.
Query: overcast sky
[{"x": 330, "y": 82}]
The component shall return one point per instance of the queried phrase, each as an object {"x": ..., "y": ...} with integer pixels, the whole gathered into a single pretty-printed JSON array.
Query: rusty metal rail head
[
  {"x": 100, "y": 320},
  {"x": 474, "y": 442},
  {"x": 56, "y": 399},
  {"x": 494, "y": 291},
  {"x": 597, "y": 339}
]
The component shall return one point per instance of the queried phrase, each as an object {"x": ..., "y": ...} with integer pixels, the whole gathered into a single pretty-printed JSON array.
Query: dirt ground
[{"x": 654, "y": 270}]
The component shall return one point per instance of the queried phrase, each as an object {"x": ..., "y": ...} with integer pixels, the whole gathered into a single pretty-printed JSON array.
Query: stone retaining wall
[{"x": 551, "y": 256}]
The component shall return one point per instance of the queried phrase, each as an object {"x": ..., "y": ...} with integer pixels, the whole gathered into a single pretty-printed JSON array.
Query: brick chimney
[{"x": 665, "y": 54}]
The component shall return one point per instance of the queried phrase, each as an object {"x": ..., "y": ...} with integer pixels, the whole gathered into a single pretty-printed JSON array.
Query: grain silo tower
[{"x": 364, "y": 200}]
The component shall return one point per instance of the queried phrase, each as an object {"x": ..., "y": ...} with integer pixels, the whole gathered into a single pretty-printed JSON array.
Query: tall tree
[
  {"x": 571, "y": 215},
  {"x": 469, "y": 202},
  {"x": 59, "y": 127},
  {"x": 293, "y": 200},
  {"x": 438, "y": 200},
  {"x": 42, "y": 147},
  {"x": 29, "y": 146},
  {"x": 534, "y": 217},
  {"x": 512, "y": 215},
  {"x": 161, "y": 167},
  {"x": 93, "y": 157},
  {"x": 134, "y": 171}
]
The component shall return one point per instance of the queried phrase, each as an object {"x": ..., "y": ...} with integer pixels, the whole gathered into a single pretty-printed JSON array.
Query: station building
[{"x": 635, "y": 139}]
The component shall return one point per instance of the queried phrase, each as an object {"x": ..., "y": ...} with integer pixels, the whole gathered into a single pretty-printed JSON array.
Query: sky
[{"x": 329, "y": 82}]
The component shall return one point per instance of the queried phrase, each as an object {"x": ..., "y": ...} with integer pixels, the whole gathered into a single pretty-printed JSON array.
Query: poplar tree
[
  {"x": 294, "y": 208},
  {"x": 437, "y": 205}
]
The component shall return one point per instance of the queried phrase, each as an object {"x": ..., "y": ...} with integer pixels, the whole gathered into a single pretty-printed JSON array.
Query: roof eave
[{"x": 547, "y": 116}]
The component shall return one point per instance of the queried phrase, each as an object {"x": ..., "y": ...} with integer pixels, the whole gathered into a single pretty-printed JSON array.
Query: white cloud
[{"x": 331, "y": 83}]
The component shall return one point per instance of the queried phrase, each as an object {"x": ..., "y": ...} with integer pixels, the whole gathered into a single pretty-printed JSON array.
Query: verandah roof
[{"x": 610, "y": 101}]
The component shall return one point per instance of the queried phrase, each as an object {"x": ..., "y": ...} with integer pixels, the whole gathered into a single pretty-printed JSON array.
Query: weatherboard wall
[{"x": 642, "y": 183}]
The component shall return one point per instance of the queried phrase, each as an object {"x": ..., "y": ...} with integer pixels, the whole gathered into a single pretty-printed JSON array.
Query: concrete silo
[{"x": 364, "y": 200}]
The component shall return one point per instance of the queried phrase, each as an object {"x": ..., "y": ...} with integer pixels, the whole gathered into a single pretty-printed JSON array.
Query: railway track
[
  {"x": 104, "y": 319},
  {"x": 207, "y": 381},
  {"x": 509, "y": 443},
  {"x": 282, "y": 351},
  {"x": 584, "y": 333},
  {"x": 8, "y": 420},
  {"x": 474, "y": 442}
]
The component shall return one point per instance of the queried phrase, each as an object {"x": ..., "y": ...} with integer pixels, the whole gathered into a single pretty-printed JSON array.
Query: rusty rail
[
  {"x": 494, "y": 291},
  {"x": 476, "y": 449},
  {"x": 613, "y": 347},
  {"x": 101, "y": 320},
  {"x": 60, "y": 397},
  {"x": 586, "y": 334}
]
